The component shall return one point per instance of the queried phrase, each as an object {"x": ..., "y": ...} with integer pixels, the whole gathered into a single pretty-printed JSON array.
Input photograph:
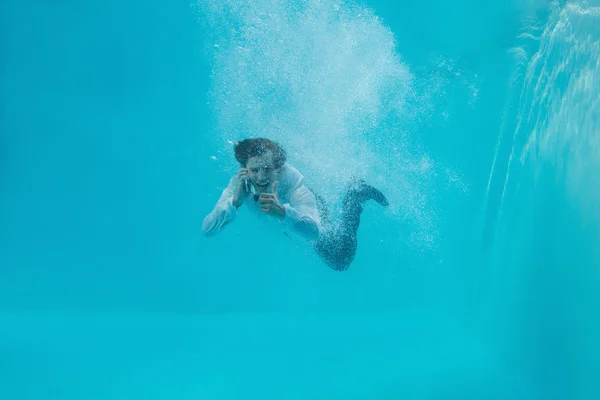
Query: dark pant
[{"x": 337, "y": 244}]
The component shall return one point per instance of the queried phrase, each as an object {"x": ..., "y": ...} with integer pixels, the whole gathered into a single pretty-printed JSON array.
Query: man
[{"x": 268, "y": 185}]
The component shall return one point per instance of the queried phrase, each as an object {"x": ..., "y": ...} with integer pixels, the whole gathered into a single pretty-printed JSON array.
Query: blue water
[{"x": 477, "y": 119}]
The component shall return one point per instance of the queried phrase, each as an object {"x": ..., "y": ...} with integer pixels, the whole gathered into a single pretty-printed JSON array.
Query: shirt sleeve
[
  {"x": 223, "y": 213},
  {"x": 301, "y": 214}
]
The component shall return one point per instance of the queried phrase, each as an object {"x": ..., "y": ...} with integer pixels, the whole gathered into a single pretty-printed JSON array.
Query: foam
[
  {"x": 325, "y": 80},
  {"x": 560, "y": 110}
]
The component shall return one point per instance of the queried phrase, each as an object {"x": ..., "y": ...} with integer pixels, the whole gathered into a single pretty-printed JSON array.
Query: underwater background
[{"x": 477, "y": 119}]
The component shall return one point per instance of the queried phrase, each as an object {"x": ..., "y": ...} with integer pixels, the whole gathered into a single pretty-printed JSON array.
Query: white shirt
[{"x": 301, "y": 215}]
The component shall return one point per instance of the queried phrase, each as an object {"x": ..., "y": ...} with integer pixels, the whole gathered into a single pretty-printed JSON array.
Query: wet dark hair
[{"x": 248, "y": 148}]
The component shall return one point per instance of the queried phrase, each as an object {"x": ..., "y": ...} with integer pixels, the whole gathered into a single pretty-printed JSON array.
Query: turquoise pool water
[{"x": 477, "y": 119}]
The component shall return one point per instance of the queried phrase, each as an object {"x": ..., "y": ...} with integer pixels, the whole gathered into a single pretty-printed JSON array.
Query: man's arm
[
  {"x": 301, "y": 214},
  {"x": 223, "y": 213}
]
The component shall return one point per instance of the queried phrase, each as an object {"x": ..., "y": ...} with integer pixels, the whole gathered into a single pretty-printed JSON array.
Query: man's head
[{"x": 263, "y": 158}]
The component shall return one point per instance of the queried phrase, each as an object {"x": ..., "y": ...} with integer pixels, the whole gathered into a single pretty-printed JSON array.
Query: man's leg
[{"x": 337, "y": 245}]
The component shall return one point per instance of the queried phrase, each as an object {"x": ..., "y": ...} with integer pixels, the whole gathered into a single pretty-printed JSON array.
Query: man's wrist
[
  {"x": 281, "y": 212},
  {"x": 236, "y": 202}
]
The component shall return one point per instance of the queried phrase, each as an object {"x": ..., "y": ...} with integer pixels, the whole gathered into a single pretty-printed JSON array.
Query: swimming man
[{"x": 268, "y": 185}]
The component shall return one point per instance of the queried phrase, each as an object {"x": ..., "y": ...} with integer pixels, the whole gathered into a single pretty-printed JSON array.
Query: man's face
[{"x": 262, "y": 172}]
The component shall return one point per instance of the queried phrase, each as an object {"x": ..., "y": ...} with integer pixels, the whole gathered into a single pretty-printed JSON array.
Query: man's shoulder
[
  {"x": 290, "y": 178},
  {"x": 289, "y": 171}
]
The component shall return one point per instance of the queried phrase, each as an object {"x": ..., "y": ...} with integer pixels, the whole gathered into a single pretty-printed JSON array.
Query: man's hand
[
  {"x": 269, "y": 203},
  {"x": 241, "y": 193}
]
